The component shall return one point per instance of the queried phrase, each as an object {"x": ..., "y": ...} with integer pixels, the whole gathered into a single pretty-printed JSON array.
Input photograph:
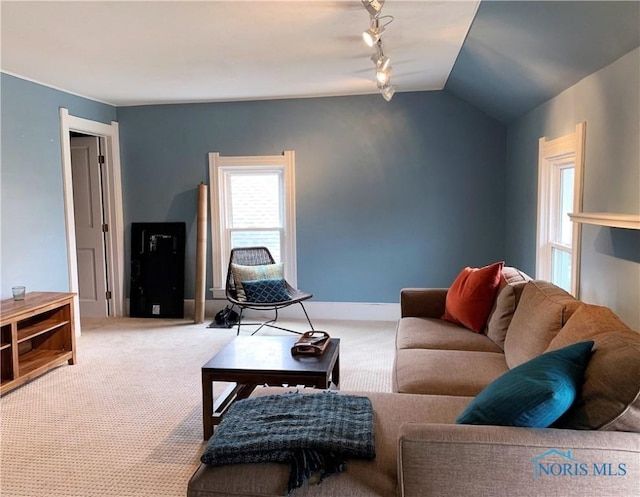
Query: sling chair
[{"x": 255, "y": 281}]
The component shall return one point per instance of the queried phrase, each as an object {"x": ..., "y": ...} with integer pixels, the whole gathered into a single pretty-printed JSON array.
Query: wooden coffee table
[{"x": 263, "y": 360}]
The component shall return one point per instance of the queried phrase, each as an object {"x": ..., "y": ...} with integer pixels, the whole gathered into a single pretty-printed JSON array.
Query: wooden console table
[{"x": 37, "y": 334}]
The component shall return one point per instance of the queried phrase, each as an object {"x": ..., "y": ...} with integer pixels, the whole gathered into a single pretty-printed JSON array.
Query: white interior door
[{"x": 87, "y": 207}]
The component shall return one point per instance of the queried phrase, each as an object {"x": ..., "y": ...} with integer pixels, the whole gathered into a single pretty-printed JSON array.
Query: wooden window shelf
[{"x": 37, "y": 335}]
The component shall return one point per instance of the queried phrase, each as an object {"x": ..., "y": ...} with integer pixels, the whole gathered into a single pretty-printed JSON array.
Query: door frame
[{"x": 113, "y": 206}]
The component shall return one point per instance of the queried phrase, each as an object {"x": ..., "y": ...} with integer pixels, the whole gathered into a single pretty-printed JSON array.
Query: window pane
[
  {"x": 565, "y": 226},
  {"x": 269, "y": 239},
  {"x": 561, "y": 268},
  {"x": 255, "y": 200}
]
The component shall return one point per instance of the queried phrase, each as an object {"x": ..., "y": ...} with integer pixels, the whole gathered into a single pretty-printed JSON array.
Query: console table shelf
[{"x": 37, "y": 334}]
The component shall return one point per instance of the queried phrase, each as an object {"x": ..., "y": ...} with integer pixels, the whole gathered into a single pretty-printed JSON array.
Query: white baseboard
[{"x": 355, "y": 311}]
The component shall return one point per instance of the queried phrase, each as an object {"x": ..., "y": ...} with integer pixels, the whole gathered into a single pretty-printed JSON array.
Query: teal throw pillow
[
  {"x": 266, "y": 291},
  {"x": 533, "y": 394}
]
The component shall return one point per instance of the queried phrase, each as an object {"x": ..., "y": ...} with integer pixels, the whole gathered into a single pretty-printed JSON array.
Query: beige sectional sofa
[{"x": 593, "y": 450}]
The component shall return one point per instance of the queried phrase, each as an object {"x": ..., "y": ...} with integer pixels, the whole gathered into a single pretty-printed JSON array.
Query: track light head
[
  {"x": 373, "y": 6},
  {"x": 383, "y": 76},
  {"x": 379, "y": 58},
  {"x": 387, "y": 92},
  {"x": 382, "y": 62},
  {"x": 372, "y": 35}
]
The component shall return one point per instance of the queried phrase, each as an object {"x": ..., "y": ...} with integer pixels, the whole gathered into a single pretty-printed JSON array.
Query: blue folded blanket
[{"x": 313, "y": 433}]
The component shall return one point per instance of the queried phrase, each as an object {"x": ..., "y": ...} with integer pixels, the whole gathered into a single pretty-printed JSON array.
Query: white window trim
[
  {"x": 551, "y": 153},
  {"x": 217, "y": 166}
]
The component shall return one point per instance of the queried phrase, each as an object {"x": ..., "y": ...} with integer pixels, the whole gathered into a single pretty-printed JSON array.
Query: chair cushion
[
  {"x": 266, "y": 291},
  {"x": 534, "y": 394},
  {"x": 471, "y": 296},
  {"x": 251, "y": 273}
]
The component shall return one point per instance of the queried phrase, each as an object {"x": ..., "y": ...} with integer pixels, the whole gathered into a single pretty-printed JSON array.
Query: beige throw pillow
[
  {"x": 502, "y": 313},
  {"x": 251, "y": 273}
]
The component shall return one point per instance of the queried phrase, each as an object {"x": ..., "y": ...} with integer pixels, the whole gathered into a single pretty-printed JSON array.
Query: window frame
[
  {"x": 219, "y": 200},
  {"x": 554, "y": 155}
]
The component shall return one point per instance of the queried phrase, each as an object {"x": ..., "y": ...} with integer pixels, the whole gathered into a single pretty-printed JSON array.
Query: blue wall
[
  {"x": 389, "y": 195},
  {"x": 609, "y": 102},
  {"x": 34, "y": 247}
]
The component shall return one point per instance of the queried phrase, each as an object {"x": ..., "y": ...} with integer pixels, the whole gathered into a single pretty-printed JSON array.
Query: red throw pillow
[{"x": 471, "y": 296}]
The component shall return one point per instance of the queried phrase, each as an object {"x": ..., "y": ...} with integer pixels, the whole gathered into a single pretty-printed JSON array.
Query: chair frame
[{"x": 258, "y": 256}]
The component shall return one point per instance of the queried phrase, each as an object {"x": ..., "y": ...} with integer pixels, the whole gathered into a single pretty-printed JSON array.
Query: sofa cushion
[
  {"x": 534, "y": 394},
  {"x": 503, "y": 311},
  {"x": 511, "y": 275},
  {"x": 610, "y": 398},
  {"x": 431, "y": 333},
  {"x": 542, "y": 311},
  {"x": 377, "y": 477},
  {"x": 509, "y": 291},
  {"x": 471, "y": 296},
  {"x": 586, "y": 322},
  {"x": 446, "y": 372}
]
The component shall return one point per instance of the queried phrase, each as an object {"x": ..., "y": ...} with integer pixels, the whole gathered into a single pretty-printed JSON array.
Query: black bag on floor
[{"x": 227, "y": 317}]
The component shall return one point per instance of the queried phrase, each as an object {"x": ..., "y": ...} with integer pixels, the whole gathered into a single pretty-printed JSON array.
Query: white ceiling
[{"x": 152, "y": 52}]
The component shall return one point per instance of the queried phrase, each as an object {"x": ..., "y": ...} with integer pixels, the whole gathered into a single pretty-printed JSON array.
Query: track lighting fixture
[
  {"x": 379, "y": 58},
  {"x": 387, "y": 91},
  {"x": 381, "y": 61},
  {"x": 373, "y": 6},
  {"x": 372, "y": 37},
  {"x": 383, "y": 76}
]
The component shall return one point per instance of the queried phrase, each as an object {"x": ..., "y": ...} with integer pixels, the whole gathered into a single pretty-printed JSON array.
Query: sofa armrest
[
  {"x": 462, "y": 460},
  {"x": 422, "y": 302}
]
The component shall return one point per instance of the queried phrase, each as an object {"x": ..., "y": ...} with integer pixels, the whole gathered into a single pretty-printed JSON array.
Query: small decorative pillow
[
  {"x": 266, "y": 291},
  {"x": 251, "y": 273},
  {"x": 534, "y": 394},
  {"x": 471, "y": 296}
]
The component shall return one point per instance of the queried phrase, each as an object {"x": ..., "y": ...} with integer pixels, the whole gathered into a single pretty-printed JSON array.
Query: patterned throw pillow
[
  {"x": 534, "y": 394},
  {"x": 266, "y": 291},
  {"x": 251, "y": 273}
]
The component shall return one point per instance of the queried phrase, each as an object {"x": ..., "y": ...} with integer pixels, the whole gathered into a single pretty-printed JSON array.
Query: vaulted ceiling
[{"x": 504, "y": 57}]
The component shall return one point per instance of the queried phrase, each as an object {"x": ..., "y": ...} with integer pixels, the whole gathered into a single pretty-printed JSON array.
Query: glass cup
[{"x": 18, "y": 292}]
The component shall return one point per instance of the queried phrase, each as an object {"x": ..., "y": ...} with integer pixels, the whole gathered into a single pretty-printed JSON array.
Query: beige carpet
[{"x": 126, "y": 419}]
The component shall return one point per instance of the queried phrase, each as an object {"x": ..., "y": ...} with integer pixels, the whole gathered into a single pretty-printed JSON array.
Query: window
[
  {"x": 252, "y": 203},
  {"x": 560, "y": 193}
]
